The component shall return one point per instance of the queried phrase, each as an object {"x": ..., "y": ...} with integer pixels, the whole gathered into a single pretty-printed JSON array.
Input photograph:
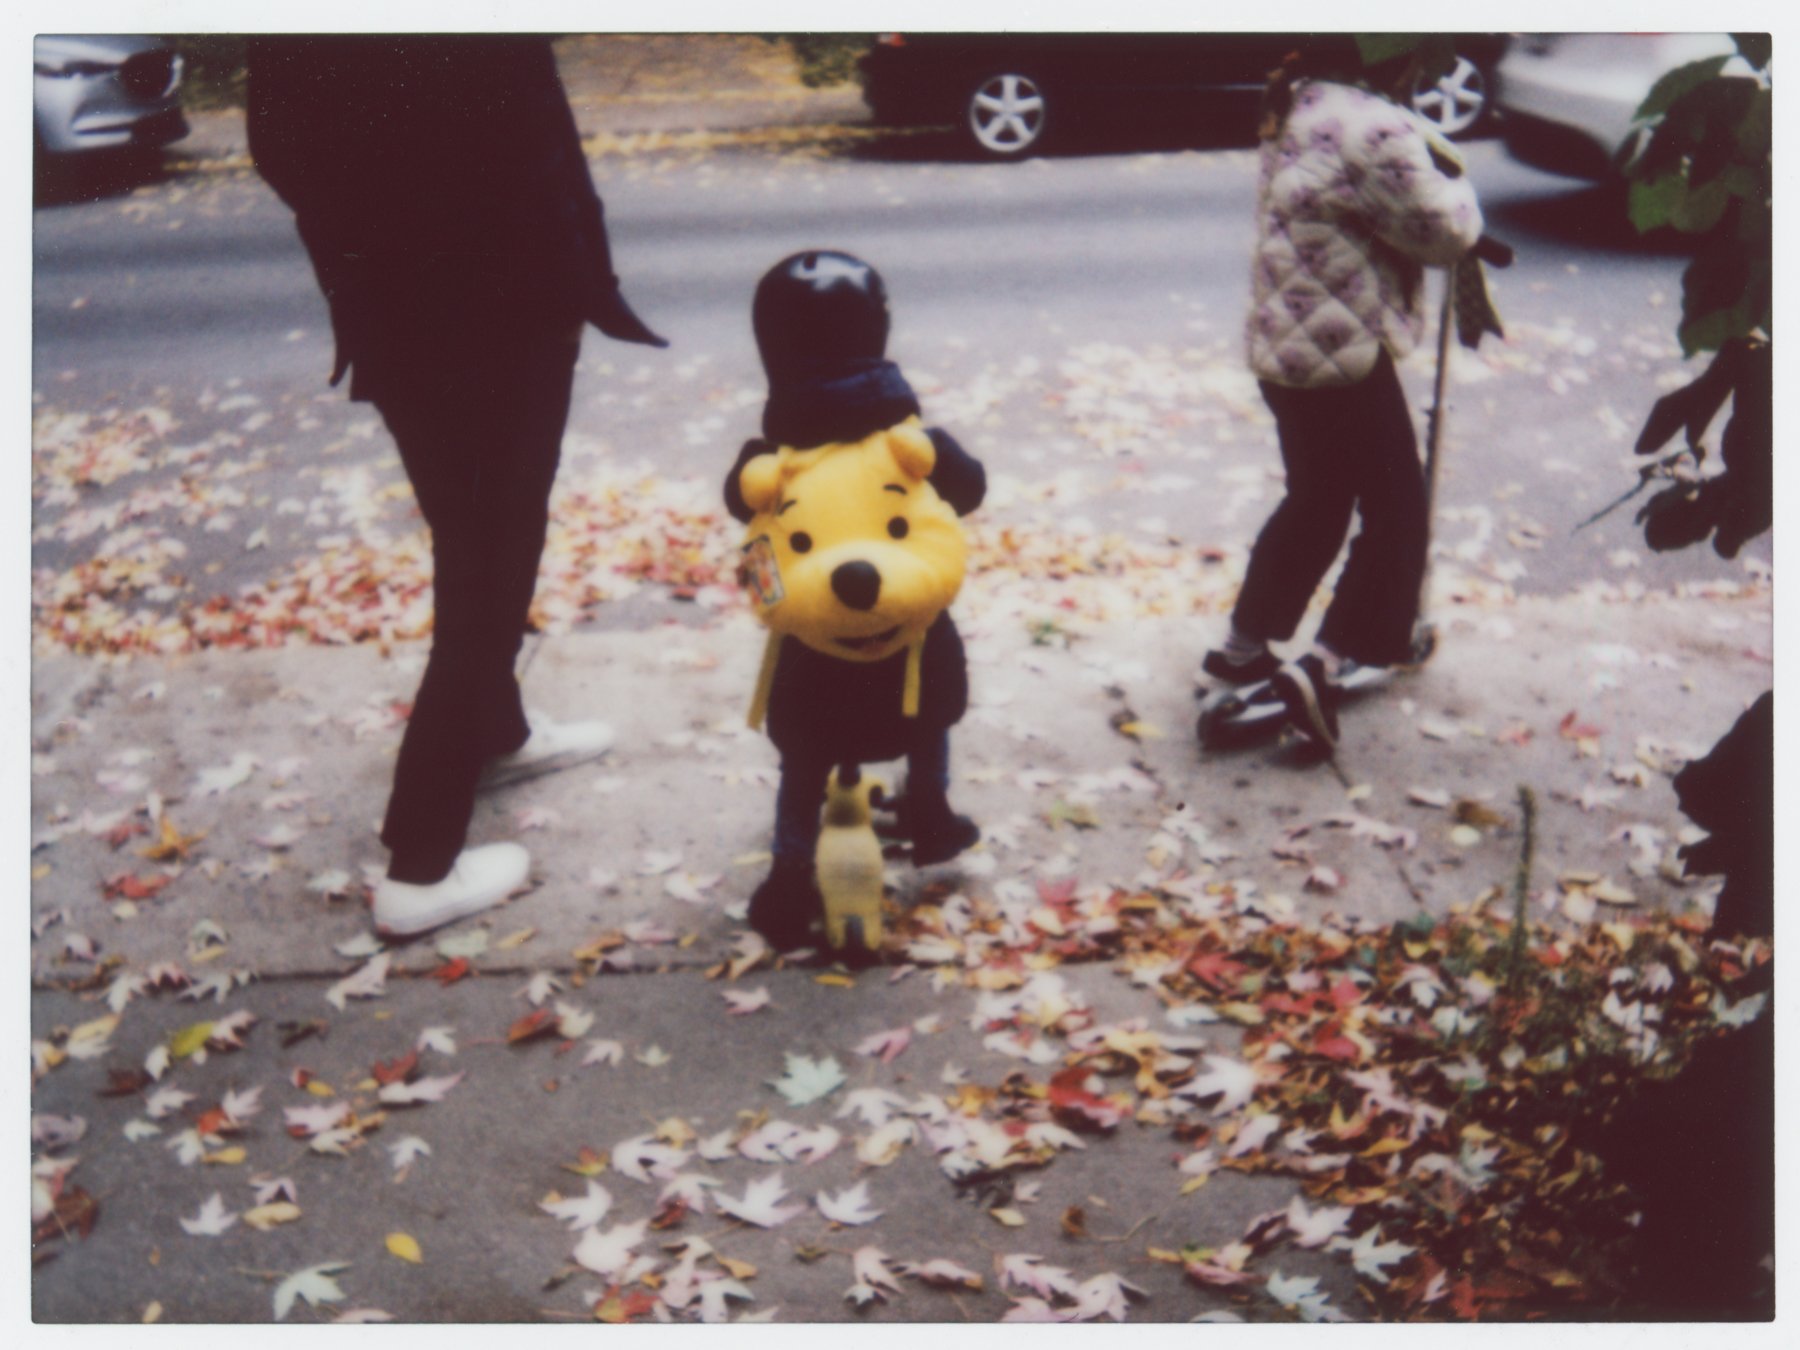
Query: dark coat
[
  {"x": 826, "y": 709},
  {"x": 439, "y": 186}
]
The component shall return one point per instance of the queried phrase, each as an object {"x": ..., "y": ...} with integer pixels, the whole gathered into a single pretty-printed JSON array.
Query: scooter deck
[{"x": 1232, "y": 717}]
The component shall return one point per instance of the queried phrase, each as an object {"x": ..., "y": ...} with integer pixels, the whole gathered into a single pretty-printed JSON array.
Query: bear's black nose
[{"x": 857, "y": 584}]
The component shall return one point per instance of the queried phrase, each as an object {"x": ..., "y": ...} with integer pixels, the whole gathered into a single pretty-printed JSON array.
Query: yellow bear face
[{"x": 851, "y": 550}]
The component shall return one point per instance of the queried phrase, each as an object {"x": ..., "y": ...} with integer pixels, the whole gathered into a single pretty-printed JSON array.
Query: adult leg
[
  {"x": 1376, "y": 603},
  {"x": 1301, "y": 538},
  {"x": 480, "y": 440}
]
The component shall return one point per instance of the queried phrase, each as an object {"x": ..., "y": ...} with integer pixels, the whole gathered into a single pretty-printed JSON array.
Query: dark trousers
[
  {"x": 480, "y": 434},
  {"x": 801, "y": 796},
  {"x": 1346, "y": 449}
]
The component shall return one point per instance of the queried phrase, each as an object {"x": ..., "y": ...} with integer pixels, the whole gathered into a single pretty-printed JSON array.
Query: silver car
[
  {"x": 105, "y": 93},
  {"x": 1567, "y": 100}
]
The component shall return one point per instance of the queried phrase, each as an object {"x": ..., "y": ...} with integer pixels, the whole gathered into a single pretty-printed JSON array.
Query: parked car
[
  {"x": 1566, "y": 100},
  {"x": 1006, "y": 92},
  {"x": 105, "y": 93}
]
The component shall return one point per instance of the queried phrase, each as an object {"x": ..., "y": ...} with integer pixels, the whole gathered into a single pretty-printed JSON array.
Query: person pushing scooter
[{"x": 1355, "y": 198}]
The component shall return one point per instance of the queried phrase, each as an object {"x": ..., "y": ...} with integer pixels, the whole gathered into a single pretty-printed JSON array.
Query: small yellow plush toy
[
  {"x": 848, "y": 863},
  {"x": 850, "y": 550}
]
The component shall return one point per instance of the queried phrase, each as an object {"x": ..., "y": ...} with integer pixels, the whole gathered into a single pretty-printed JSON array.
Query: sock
[{"x": 1241, "y": 649}]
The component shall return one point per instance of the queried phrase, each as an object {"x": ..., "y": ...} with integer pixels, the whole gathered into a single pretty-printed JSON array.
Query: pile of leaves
[{"x": 1430, "y": 1084}]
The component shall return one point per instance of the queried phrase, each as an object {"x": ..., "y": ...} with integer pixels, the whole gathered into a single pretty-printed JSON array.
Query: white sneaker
[
  {"x": 479, "y": 879},
  {"x": 550, "y": 745}
]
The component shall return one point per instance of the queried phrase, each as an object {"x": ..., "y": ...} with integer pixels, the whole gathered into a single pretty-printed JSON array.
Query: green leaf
[
  {"x": 1655, "y": 203},
  {"x": 1701, "y": 207},
  {"x": 1677, "y": 82}
]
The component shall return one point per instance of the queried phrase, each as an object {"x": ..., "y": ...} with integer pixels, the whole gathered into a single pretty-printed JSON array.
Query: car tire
[
  {"x": 1006, "y": 114},
  {"x": 1457, "y": 103}
]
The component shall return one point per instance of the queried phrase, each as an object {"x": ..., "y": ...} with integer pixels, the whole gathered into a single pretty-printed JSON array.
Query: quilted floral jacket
[{"x": 1356, "y": 197}]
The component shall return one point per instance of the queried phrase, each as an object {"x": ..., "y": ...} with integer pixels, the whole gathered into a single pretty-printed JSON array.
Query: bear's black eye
[
  {"x": 898, "y": 528},
  {"x": 800, "y": 542}
]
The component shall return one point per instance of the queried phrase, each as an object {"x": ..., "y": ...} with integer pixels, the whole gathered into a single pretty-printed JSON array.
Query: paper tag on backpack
[{"x": 762, "y": 573}]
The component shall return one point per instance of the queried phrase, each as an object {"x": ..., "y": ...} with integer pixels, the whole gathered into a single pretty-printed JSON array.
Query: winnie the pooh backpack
[{"x": 851, "y": 551}]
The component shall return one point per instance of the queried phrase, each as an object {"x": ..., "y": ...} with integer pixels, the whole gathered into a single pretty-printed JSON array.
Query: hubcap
[
  {"x": 1006, "y": 114},
  {"x": 1454, "y": 103}
]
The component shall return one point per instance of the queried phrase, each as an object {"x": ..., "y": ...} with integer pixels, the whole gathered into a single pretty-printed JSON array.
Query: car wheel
[
  {"x": 1456, "y": 102},
  {"x": 1006, "y": 115}
]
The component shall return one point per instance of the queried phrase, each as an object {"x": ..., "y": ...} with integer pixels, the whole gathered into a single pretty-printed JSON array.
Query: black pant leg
[
  {"x": 1376, "y": 603},
  {"x": 480, "y": 440},
  {"x": 1304, "y": 533}
]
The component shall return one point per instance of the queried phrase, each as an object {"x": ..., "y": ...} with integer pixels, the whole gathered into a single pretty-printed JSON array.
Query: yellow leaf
[
  {"x": 1245, "y": 1014},
  {"x": 518, "y": 939},
  {"x": 1141, "y": 731},
  {"x": 210, "y": 954},
  {"x": 835, "y": 980},
  {"x": 1621, "y": 933},
  {"x": 227, "y": 1157},
  {"x": 1163, "y": 1254},
  {"x": 1193, "y": 1184},
  {"x": 676, "y": 1131},
  {"x": 1416, "y": 950},
  {"x": 738, "y": 1270},
  {"x": 38, "y": 873},
  {"x": 97, "y": 1030},
  {"x": 265, "y": 1217},
  {"x": 1476, "y": 1134},
  {"x": 1382, "y": 1147},
  {"x": 153, "y": 1312},
  {"x": 405, "y": 1247},
  {"x": 189, "y": 1039},
  {"x": 320, "y": 1088},
  {"x": 1008, "y": 1217}
]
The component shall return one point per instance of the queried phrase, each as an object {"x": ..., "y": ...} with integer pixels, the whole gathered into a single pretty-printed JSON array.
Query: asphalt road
[{"x": 1079, "y": 311}]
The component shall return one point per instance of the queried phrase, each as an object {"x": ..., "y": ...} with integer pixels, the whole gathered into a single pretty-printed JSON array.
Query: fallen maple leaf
[
  {"x": 212, "y": 1220},
  {"x": 368, "y": 982},
  {"x": 424, "y": 1090},
  {"x": 743, "y": 1002},
  {"x": 873, "y": 1279},
  {"x": 1233, "y": 1083},
  {"x": 885, "y": 1045},
  {"x": 759, "y": 1204},
  {"x": 583, "y": 1211},
  {"x": 1025, "y": 1271},
  {"x": 849, "y": 1206},
  {"x": 314, "y": 1284},
  {"x": 610, "y": 1252},
  {"x": 807, "y": 1080}
]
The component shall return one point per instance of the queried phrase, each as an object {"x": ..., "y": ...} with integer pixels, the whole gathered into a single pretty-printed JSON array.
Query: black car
[{"x": 1007, "y": 91}]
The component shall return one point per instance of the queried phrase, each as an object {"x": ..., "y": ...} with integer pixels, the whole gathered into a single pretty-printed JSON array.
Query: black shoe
[
  {"x": 787, "y": 907},
  {"x": 1237, "y": 674},
  {"x": 939, "y": 838},
  {"x": 1310, "y": 697}
]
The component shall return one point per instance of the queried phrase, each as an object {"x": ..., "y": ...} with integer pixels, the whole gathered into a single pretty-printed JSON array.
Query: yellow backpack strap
[
  {"x": 909, "y": 699},
  {"x": 765, "y": 682}
]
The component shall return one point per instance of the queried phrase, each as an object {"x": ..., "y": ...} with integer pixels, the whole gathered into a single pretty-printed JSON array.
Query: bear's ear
[
  {"x": 760, "y": 482},
  {"x": 912, "y": 450}
]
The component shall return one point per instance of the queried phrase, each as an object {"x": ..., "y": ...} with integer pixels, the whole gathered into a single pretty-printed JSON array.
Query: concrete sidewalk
[{"x": 263, "y": 776}]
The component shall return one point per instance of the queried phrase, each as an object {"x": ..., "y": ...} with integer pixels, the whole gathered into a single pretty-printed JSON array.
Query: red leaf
[
  {"x": 212, "y": 1122},
  {"x": 396, "y": 1070},
  {"x": 125, "y": 886},
  {"x": 1346, "y": 993},
  {"x": 451, "y": 971},
  {"x": 1057, "y": 893},
  {"x": 1068, "y": 1096},
  {"x": 538, "y": 1022},
  {"x": 1216, "y": 970},
  {"x": 1571, "y": 728}
]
